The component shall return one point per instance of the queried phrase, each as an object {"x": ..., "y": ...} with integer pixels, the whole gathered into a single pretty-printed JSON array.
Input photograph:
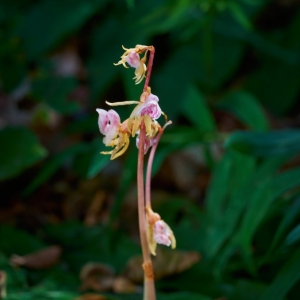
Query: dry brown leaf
[
  {"x": 2, "y": 284},
  {"x": 123, "y": 285},
  {"x": 165, "y": 263},
  {"x": 42, "y": 259},
  {"x": 91, "y": 297},
  {"x": 97, "y": 277}
]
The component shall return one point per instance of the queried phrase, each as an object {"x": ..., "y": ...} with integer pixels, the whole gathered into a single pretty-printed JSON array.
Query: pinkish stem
[
  {"x": 149, "y": 169},
  {"x": 149, "y": 288},
  {"x": 149, "y": 67}
]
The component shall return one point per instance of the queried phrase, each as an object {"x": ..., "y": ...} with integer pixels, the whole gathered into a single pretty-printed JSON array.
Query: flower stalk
[
  {"x": 143, "y": 124},
  {"x": 149, "y": 289}
]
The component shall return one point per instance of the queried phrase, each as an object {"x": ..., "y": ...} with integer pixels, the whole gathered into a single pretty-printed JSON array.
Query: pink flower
[
  {"x": 133, "y": 59},
  {"x": 162, "y": 233},
  {"x": 149, "y": 107},
  {"x": 158, "y": 232},
  {"x": 108, "y": 122}
]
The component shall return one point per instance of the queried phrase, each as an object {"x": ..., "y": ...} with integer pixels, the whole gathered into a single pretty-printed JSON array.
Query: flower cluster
[
  {"x": 117, "y": 135},
  {"x": 147, "y": 110}
]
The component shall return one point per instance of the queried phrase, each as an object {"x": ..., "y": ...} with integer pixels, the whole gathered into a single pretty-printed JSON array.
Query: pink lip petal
[
  {"x": 114, "y": 118},
  {"x": 102, "y": 120},
  {"x": 159, "y": 227},
  {"x": 133, "y": 59},
  {"x": 162, "y": 239},
  {"x": 152, "y": 109},
  {"x": 108, "y": 124}
]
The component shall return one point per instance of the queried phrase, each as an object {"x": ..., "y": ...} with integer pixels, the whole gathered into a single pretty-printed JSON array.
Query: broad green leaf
[
  {"x": 283, "y": 142},
  {"x": 266, "y": 192},
  {"x": 219, "y": 187},
  {"x": 20, "y": 149},
  {"x": 241, "y": 195},
  {"x": 196, "y": 110},
  {"x": 246, "y": 108},
  {"x": 284, "y": 281},
  {"x": 225, "y": 199}
]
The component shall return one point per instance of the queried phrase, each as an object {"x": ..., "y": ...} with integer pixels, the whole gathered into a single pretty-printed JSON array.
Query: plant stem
[
  {"x": 149, "y": 169},
  {"x": 149, "y": 67},
  {"x": 149, "y": 288}
]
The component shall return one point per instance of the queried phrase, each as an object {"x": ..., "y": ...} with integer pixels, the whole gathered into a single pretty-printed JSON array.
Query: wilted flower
[
  {"x": 132, "y": 58},
  {"x": 159, "y": 232}
]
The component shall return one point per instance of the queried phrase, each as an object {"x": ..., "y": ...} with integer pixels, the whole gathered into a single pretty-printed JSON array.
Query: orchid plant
[{"x": 142, "y": 124}]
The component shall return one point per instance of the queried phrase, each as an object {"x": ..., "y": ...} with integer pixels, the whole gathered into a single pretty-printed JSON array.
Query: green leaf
[
  {"x": 226, "y": 198},
  {"x": 285, "y": 280},
  {"x": 228, "y": 226},
  {"x": 288, "y": 218},
  {"x": 265, "y": 193},
  {"x": 246, "y": 108},
  {"x": 293, "y": 237},
  {"x": 284, "y": 142},
  {"x": 196, "y": 110},
  {"x": 20, "y": 149}
]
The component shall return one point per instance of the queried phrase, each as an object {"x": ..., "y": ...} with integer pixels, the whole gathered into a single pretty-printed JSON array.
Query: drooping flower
[
  {"x": 163, "y": 234},
  {"x": 158, "y": 232},
  {"x": 132, "y": 58}
]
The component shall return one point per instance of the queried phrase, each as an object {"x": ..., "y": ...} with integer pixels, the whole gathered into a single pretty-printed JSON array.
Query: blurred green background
[{"x": 226, "y": 174}]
